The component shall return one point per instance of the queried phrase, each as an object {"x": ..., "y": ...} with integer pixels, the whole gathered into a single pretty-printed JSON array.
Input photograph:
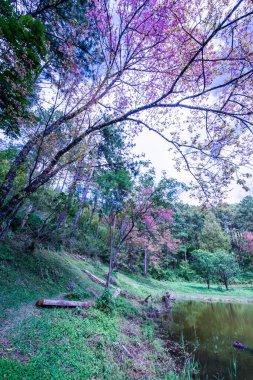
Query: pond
[{"x": 210, "y": 329}]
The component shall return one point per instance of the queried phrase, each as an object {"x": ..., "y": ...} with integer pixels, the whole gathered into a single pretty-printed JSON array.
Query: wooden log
[
  {"x": 94, "y": 278},
  {"x": 99, "y": 281},
  {"x": 63, "y": 303},
  {"x": 116, "y": 293}
]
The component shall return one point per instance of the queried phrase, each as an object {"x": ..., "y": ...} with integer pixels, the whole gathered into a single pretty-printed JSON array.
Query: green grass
[
  {"x": 75, "y": 344},
  {"x": 26, "y": 277},
  {"x": 143, "y": 286},
  {"x": 37, "y": 343}
]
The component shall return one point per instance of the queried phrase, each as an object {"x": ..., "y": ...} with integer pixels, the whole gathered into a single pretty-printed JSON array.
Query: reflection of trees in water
[{"x": 214, "y": 327}]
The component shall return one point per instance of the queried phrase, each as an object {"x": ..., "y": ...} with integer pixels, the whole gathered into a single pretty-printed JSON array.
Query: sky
[{"x": 156, "y": 150}]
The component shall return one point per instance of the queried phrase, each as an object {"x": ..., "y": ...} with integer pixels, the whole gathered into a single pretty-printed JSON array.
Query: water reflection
[{"x": 211, "y": 329}]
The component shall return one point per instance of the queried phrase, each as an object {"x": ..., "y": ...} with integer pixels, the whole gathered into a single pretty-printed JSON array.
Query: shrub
[
  {"x": 78, "y": 295},
  {"x": 160, "y": 274},
  {"x": 186, "y": 272},
  {"x": 105, "y": 302}
]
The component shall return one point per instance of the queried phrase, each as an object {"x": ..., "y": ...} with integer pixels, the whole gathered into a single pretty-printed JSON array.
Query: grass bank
[
  {"x": 76, "y": 344},
  {"x": 143, "y": 286},
  {"x": 69, "y": 344}
]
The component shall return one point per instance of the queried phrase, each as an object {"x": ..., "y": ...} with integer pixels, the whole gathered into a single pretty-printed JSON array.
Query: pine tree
[{"x": 212, "y": 237}]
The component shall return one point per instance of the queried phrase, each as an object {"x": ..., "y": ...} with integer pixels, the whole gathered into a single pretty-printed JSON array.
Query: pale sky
[{"x": 156, "y": 150}]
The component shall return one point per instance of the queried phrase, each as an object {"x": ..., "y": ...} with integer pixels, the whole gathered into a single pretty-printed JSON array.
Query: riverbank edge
[{"x": 179, "y": 297}]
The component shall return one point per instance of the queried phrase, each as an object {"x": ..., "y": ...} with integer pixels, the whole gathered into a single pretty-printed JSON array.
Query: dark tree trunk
[
  {"x": 80, "y": 209},
  {"x": 145, "y": 262},
  {"x": 11, "y": 175},
  {"x": 62, "y": 217},
  {"x": 64, "y": 212},
  {"x": 27, "y": 214},
  {"x": 93, "y": 209}
]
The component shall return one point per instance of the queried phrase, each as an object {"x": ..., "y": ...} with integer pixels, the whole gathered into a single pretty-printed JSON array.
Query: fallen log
[
  {"x": 63, "y": 303},
  {"x": 94, "y": 278},
  {"x": 116, "y": 293}
]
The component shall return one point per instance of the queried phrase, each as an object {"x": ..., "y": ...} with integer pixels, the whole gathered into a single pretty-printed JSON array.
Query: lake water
[{"x": 211, "y": 329}]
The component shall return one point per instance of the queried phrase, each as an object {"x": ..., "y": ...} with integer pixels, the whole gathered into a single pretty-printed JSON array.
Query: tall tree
[
  {"x": 204, "y": 264},
  {"x": 23, "y": 48},
  {"x": 155, "y": 60},
  {"x": 226, "y": 267},
  {"x": 212, "y": 237},
  {"x": 244, "y": 214}
]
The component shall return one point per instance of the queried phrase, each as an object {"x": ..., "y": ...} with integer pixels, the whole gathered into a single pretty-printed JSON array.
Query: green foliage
[
  {"x": 78, "y": 295},
  {"x": 212, "y": 237},
  {"x": 227, "y": 267},
  {"x": 161, "y": 274},
  {"x": 186, "y": 272},
  {"x": 244, "y": 214},
  {"x": 6, "y": 253},
  {"x": 216, "y": 266},
  {"x": 23, "y": 46},
  {"x": 105, "y": 302},
  {"x": 204, "y": 264},
  {"x": 187, "y": 225},
  {"x": 127, "y": 308}
]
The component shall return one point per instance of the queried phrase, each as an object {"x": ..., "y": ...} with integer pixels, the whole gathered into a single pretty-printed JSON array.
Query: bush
[
  {"x": 105, "y": 302},
  {"x": 160, "y": 274},
  {"x": 78, "y": 295},
  {"x": 186, "y": 272}
]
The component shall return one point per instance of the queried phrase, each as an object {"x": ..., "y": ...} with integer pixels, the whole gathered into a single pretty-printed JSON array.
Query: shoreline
[{"x": 180, "y": 297}]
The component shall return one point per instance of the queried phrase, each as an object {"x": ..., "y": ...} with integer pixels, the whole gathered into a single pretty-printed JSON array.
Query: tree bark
[
  {"x": 27, "y": 214},
  {"x": 63, "y": 303},
  {"x": 110, "y": 269},
  {"x": 93, "y": 209},
  {"x": 71, "y": 192},
  {"x": 145, "y": 262}
]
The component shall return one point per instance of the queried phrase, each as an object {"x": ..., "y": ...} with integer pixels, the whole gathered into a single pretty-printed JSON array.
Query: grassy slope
[
  {"x": 187, "y": 290},
  {"x": 65, "y": 343},
  {"x": 73, "y": 344},
  {"x": 142, "y": 287}
]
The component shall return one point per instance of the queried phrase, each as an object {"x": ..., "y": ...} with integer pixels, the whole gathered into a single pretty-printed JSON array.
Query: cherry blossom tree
[
  {"x": 247, "y": 244},
  {"x": 140, "y": 225},
  {"x": 180, "y": 69}
]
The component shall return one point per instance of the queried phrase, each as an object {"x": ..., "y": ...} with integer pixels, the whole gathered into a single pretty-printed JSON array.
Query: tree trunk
[
  {"x": 63, "y": 303},
  {"x": 80, "y": 209},
  {"x": 145, "y": 262},
  {"x": 61, "y": 217},
  {"x": 208, "y": 283},
  {"x": 93, "y": 209},
  {"x": 27, "y": 214},
  {"x": 110, "y": 269},
  {"x": 11, "y": 175},
  {"x": 64, "y": 212},
  {"x": 97, "y": 231}
]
